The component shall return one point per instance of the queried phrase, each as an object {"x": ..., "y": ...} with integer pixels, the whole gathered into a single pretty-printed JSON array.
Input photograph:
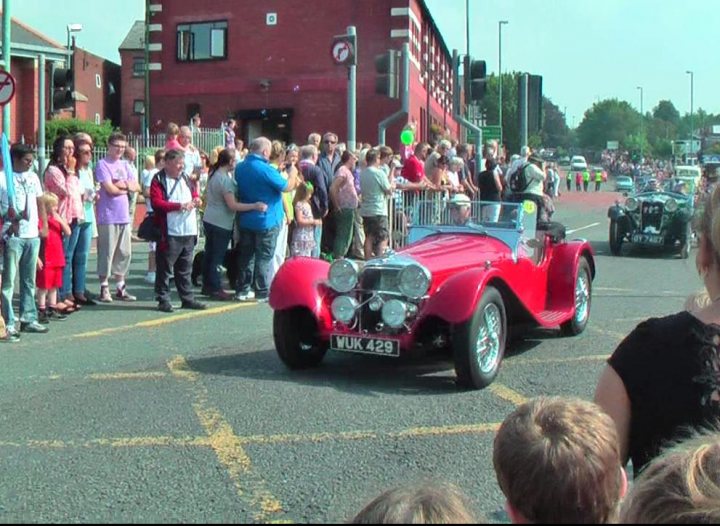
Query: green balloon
[{"x": 407, "y": 137}]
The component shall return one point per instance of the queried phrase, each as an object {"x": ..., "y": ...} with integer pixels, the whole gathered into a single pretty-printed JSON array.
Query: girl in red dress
[{"x": 51, "y": 262}]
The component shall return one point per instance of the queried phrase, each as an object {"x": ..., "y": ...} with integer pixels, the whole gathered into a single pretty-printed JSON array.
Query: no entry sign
[{"x": 7, "y": 87}]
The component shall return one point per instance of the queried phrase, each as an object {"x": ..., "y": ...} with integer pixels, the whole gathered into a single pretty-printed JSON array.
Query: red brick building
[
  {"x": 269, "y": 65},
  {"x": 92, "y": 102},
  {"x": 132, "y": 58}
]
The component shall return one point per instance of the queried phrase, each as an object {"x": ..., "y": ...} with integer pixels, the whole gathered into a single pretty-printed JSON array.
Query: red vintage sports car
[{"x": 455, "y": 287}]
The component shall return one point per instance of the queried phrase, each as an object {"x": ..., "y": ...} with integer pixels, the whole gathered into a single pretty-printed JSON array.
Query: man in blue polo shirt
[{"x": 258, "y": 181}]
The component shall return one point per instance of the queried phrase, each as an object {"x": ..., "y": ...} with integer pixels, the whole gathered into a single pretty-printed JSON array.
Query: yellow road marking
[
  {"x": 111, "y": 442},
  {"x": 417, "y": 432},
  {"x": 227, "y": 446},
  {"x": 605, "y": 332},
  {"x": 507, "y": 394},
  {"x": 126, "y": 376},
  {"x": 163, "y": 321},
  {"x": 259, "y": 440},
  {"x": 527, "y": 361}
]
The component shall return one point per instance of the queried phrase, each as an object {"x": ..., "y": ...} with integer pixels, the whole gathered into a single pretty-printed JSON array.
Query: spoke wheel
[
  {"x": 479, "y": 343},
  {"x": 582, "y": 300}
]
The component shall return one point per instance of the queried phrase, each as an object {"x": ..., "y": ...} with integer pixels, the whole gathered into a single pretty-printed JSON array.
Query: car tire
[
  {"x": 297, "y": 338},
  {"x": 616, "y": 238},
  {"x": 582, "y": 298},
  {"x": 475, "y": 366}
]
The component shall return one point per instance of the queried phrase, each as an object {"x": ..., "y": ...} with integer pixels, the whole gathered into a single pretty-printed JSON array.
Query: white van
[{"x": 578, "y": 162}]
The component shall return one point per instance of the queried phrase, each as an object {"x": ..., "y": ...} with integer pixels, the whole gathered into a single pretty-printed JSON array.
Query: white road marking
[{"x": 582, "y": 228}]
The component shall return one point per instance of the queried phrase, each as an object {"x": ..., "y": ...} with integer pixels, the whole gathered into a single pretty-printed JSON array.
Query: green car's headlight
[
  {"x": 671, "y": 205},
  {"x": 414, "y": 281},
  {"x": 632, "y": 204},
  {"x": 343, "y": 275}
]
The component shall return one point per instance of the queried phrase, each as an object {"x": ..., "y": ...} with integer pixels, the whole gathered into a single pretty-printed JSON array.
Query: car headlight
[
  {"x": 343, "y": 275},
  {"x": 414, "y": 281},
  {"x": 632, "y": 204},
  {"x": 344, "y": 308},
  {"x": 671, "y": 205},
  {"x": 394, "y": 313}
]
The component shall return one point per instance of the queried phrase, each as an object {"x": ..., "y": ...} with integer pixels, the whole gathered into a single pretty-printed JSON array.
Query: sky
[{"x": 585, "y": 50}]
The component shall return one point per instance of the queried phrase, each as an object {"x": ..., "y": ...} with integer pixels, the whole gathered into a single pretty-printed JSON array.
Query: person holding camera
[{"x": 22, "y": 241}]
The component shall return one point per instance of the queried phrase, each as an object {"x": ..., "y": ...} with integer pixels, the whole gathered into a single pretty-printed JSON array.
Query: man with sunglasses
[{"x": 328, "y": 162}]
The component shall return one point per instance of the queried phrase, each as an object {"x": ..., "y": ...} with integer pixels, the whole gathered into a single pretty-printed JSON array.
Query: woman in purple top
[{"x": 116, "y": 180}]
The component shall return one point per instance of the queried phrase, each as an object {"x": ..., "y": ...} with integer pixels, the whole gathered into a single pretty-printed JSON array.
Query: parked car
[
  {"x": 624, "y": 183},
  {"x": 658, "y": 216},
  {"x": 578, "y": 162},
  {"x": 564, "y": 160},
  {"x": 453, "y": 289}
]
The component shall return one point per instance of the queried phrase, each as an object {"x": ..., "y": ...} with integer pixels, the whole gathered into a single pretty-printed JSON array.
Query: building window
[
  {"x": 138, "y": 66},
  {"x": 98, "y": 81},
  {"x": 97, "y": 118},
  {"x": 202, "y": 41},
  {"x": 139, "y": 107}
]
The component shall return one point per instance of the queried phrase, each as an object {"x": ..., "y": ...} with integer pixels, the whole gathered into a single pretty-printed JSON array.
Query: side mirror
[{"x": 625, "y": 194}]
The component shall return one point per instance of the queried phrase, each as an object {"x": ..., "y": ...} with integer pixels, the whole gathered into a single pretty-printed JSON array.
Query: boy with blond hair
[
  {"x": 557, "y": 460},
  {"x": 681, "y": 486}
]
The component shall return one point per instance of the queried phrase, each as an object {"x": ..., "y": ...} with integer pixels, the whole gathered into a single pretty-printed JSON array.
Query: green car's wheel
[{"x": 616, "y": 238}]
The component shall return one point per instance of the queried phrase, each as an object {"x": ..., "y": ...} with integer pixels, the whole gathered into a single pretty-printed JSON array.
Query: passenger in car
[{"x": 460, "y": 210}]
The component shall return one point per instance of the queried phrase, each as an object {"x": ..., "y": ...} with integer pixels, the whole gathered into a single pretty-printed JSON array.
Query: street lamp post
[
  {"x": 692, "y": 90},
  {"x": 642, "y": 123},
  {"x": 71, "y": 28},
  {"x": 500, "y": 108}
]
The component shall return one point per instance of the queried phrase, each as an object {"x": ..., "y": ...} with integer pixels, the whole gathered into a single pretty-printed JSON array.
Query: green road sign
[{"x": 490, "y": 133}]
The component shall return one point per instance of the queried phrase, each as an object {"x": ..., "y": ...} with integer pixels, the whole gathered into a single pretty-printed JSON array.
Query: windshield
[{"x": 440, "y": 212}]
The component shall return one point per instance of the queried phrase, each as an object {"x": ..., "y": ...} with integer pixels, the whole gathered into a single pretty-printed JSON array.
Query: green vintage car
[{"x": 660, "y": 215}]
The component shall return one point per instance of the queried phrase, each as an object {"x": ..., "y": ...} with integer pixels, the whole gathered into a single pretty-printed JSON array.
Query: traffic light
[
  {"x": 535, "y": 116},
  {"x": 62, "y": 95},
  {"x": 386, "y": 82},
  {"x": 475, "y": 79}
]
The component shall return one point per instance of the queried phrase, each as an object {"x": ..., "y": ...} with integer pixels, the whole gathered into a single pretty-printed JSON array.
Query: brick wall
[
  {"x": 294, "y": 56},
  {"x": 133, "y": 88}
]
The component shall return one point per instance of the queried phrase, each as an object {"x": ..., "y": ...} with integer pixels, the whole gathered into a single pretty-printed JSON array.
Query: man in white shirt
[
  {"x": 175, "y": 201},
  {"x": 22, "y": 241}
]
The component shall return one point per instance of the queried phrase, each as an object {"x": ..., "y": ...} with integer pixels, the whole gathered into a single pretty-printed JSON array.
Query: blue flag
[{"x": 8, "y": 170}]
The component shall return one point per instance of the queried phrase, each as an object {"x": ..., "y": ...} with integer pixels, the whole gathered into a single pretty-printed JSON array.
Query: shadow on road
[{"x": 357, "y": 374}]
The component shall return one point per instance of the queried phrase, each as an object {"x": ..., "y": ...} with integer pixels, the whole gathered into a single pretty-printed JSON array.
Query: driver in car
[{"x": 460, "y": 210}]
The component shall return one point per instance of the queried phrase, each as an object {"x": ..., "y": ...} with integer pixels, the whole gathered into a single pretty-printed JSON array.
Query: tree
[
  {"x": 608, "y": 120},
  {"x": 555, "y": 131},
  {"x": 665, "y": 111}
]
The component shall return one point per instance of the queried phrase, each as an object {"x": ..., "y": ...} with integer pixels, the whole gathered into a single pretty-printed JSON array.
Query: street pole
[
  {"x": 500, "y": 91},
  {"x": 692, "y": 89},
  {"x": 352, "y": 94},
  {"x": 523, "y": 109},
  {"x": 145, "y": 131},
  {"x": 6, "y": 24},
  {"x": 642, "y": 123},
  {"x": 457, "y": 111},
  {"x": 404, "y": 94},
  {"x": 41, "y": 115}
]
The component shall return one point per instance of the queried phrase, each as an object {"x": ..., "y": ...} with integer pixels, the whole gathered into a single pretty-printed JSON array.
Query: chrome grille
[
  {"x": 372, "y": 280},
  {"x": 380, "y": 279},
  {"x": 652, "y": 214}
]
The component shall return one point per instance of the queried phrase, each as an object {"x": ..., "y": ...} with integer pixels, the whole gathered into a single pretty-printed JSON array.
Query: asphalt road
[{"x": 122, "y": 414}]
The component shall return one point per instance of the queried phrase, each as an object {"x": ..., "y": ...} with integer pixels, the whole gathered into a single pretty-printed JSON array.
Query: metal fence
[{"x": 205, "y": 139}]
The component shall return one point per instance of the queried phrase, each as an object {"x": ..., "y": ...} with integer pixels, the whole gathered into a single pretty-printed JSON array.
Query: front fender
[
  {"x": 616, "y": 212},
  {"x": 300, "y": 282},
  {"x": 456, "y": 299},
  {"x": 563, "y": 273}
]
